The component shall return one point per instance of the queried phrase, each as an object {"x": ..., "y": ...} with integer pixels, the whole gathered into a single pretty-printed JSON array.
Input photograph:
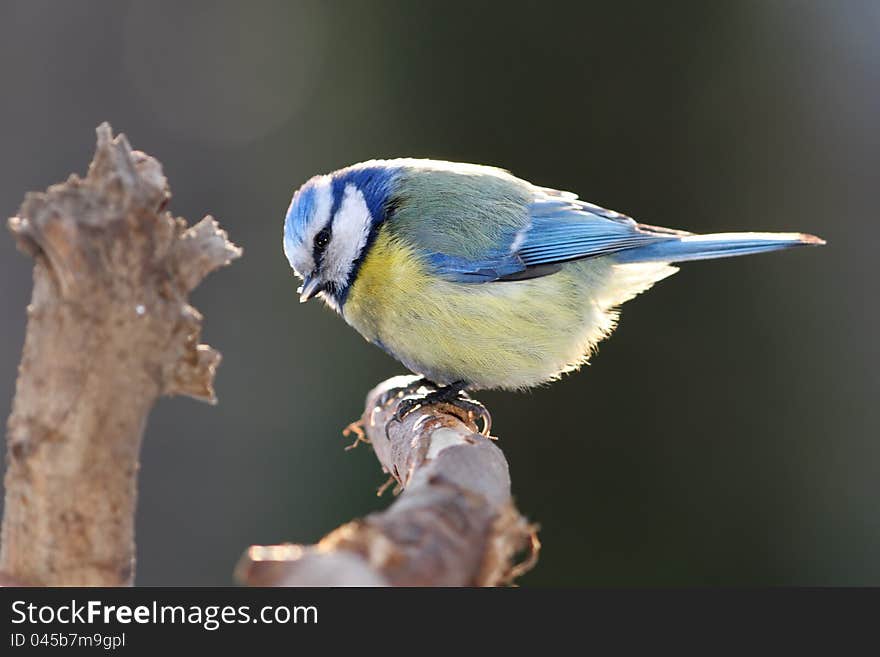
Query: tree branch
[
  {"x": 109, "y": 331},
  {"x": 454, "y": 524}
]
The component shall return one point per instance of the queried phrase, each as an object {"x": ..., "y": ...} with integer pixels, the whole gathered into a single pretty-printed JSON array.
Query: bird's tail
[{"x": 716, "y": 245}]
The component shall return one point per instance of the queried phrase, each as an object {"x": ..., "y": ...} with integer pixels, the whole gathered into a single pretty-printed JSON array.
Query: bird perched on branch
[{"x": 474, "y": 278}]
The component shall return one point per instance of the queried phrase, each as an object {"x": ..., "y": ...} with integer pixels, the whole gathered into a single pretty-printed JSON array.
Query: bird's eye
[{"x": 322, "y": 239}]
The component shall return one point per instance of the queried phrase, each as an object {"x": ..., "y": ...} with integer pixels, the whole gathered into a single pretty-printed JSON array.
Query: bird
[{"x": 473, "y": 278}]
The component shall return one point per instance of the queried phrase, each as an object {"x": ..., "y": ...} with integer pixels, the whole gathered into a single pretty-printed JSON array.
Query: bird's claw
[
  {"x": 452, "y": 395},
  {"x": 391, "y": 394},
  {"x": 475, "y": 411},
  {"x": 406, "y": 406}
]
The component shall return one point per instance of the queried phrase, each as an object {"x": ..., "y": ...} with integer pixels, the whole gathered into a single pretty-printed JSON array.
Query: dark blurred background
[{"x": 729, "y": 432}]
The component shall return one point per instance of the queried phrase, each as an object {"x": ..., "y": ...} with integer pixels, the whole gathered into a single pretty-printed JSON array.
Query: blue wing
[
  {"x": 559, "y": 228},
  {"x": 563, "y": 228}
]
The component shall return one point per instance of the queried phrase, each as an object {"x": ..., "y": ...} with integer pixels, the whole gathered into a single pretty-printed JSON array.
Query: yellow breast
[{"x": 492, "y": 335}]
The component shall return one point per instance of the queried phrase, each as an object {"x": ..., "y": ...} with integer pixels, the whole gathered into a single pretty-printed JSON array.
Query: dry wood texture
[
  {"x": 454, "y": 524},
  {"x": 109, "y": 331}
]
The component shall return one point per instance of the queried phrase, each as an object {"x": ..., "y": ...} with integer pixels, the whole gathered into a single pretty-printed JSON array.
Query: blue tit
[{"x": 474, "y": 278}]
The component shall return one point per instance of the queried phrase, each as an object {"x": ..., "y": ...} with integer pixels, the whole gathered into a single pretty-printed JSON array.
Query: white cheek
[{"x": 351, "y": 227}]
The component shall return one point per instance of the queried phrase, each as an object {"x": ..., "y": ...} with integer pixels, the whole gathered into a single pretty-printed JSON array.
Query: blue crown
[
  {"x": 374, "y": 181},
  {"x": 300, "y": 211}
]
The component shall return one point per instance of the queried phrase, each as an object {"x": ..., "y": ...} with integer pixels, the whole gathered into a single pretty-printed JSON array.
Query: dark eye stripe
[{"x": 322, "y": 239}]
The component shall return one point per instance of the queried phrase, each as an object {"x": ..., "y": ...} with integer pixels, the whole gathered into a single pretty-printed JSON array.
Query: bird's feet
[
  {"x": 453, "y": 394},
  {"x": 411, "y": 388}
]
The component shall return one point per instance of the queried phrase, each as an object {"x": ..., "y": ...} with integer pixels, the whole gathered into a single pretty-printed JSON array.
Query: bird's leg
[{"x": 452, "y": 394}]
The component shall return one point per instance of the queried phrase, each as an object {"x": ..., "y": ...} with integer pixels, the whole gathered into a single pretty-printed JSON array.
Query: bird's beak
[{"x": 310, "y": 287}]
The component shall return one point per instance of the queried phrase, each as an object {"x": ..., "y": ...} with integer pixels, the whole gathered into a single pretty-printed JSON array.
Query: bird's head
[{"x": 331, "y": 222}]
